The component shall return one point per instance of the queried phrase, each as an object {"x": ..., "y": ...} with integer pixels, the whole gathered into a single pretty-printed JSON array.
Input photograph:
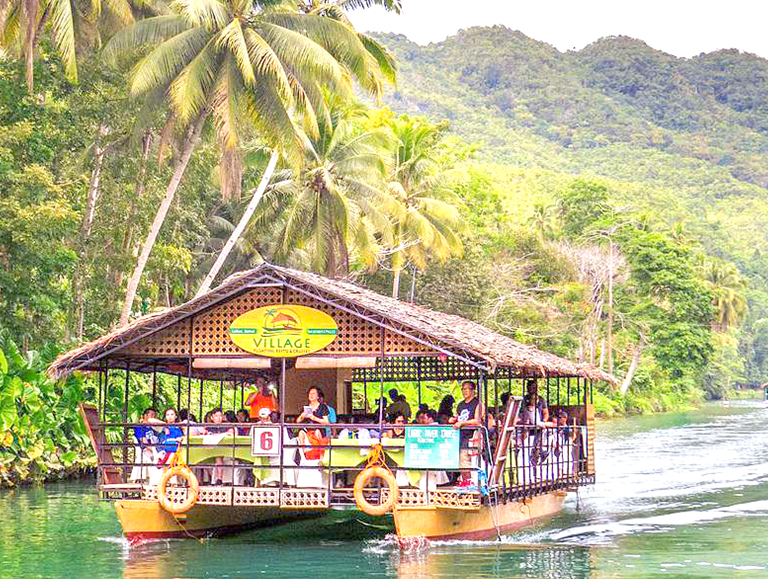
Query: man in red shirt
[{"x": 261, "y": 398}]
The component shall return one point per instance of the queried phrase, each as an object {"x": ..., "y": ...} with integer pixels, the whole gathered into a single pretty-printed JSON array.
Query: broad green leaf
[
  {"x": 68, "y": 457},
  {"x": 13, "y": 387}
]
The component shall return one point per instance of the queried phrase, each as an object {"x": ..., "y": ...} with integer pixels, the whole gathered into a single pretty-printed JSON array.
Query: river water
[{"x": 679, "y": 495}]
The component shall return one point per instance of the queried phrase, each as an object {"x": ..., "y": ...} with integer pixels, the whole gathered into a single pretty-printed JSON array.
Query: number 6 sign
[{"x": 265, "y": 441}]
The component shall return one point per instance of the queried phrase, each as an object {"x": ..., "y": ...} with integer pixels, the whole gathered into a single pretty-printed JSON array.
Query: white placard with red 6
[{"x": 265, "y": 441}]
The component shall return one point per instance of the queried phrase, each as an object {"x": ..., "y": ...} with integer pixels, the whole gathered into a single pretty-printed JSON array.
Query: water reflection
[
  {"x": 499, "y": 561},
  {"x": 168, "y": 560}
]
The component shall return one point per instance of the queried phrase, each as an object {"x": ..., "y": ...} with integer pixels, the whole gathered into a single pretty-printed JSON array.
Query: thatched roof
[{"x": 454, "y": 332}]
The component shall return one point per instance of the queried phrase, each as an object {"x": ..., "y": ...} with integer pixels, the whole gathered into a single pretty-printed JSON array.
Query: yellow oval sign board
[{"x": 283, "y": 331}]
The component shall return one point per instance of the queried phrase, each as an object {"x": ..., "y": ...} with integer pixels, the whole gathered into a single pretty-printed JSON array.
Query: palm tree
[
  {"x": 727, "y": 287},
  {"x": 335, "y": 210},
  {"x": 542, "y": 218},
  {"x": 385, "y": 66},
  {"x": 70, "y": 23},
  {"x": 427, "y": 221},
  {"x": 249, "y": 64}
]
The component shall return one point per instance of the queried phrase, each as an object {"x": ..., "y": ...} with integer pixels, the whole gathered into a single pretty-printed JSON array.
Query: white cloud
[{"x": 680, "y": 27}]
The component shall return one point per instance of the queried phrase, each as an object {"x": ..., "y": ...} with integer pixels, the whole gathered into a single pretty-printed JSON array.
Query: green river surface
[{"x": 678, "y": 495}]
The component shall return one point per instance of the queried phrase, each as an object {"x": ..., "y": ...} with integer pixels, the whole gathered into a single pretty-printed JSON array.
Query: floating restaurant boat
[{"x": 296, "y": 330}]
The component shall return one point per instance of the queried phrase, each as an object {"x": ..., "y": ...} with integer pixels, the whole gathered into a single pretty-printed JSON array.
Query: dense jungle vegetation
[{"x": 604, "y": 204}]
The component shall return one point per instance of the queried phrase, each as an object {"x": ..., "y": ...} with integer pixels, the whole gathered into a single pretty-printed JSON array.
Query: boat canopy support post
[
  {"x": 154, "y": 385},
  {"x": 125, "y": 417}
]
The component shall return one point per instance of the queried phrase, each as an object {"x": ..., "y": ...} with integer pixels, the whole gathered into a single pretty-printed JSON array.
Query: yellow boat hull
[
  {"x": 483, "y": 523},
  {"x": 145, "y": 520}
]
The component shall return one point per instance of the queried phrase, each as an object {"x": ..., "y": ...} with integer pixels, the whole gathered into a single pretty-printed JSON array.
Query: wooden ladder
[
  {"x": 111, "y": 475},
  {"x": 507, "y": 432}
]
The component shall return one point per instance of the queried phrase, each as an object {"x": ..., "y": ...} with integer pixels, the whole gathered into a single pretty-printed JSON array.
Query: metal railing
[{"x": 540, "y": 460}]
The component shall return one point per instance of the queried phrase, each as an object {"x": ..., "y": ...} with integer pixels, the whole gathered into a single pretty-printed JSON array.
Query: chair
[
  {"x": 287, "y": 458},
  {"x": 310, "y": 477}
]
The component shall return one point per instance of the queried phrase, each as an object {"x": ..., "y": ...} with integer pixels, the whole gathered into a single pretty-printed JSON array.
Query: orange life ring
[
  {"x": 363, "y": 478},
  {"x": 193, "y": 489}
]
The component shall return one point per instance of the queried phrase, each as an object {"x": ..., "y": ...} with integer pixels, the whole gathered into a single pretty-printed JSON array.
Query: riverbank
[{"x": 610, "y": 403}]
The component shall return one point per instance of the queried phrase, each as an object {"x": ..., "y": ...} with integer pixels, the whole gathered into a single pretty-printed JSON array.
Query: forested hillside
[
  {"x": 681, "y": 145},
  {"x": 689, "y": 136}
]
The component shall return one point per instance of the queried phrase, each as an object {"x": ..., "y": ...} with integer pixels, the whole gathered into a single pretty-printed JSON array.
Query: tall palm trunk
[
  {"x": 30, "y": 7},
  {"x": 633, "y": 365},
  {"x": 78, "y": 280},
  {"x": 265, "y": 178},
  {"x": 610, "y": 306},
  {"x": 396, "y": 283},
  {"x": 146, "y": 144},
  {"x": 188, "y": 147}
]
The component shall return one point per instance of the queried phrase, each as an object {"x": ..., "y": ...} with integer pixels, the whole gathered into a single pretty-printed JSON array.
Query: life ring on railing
[
  {"x": 193, "y": 489},
  {"x": 363, "y": 478}
]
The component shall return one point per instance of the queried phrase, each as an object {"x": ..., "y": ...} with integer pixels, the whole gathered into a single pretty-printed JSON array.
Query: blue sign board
[{"x": 432, "y": 447}]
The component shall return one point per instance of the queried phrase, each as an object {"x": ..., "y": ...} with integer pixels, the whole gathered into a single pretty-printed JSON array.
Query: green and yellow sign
[{"x": 283, "y": 331}]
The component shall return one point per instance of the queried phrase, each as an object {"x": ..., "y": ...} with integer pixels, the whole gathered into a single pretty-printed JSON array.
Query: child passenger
[{"x": 217, "y": 417}]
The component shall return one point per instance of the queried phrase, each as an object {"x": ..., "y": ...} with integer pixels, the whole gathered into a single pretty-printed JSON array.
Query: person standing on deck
[
  {"x": 261, "y": 398},
  {"x": 533, "y": 400},
  {"x": 536, "y": 413},
  {"x": 467, "y": 414},
  {"x": 399, "y": 405}
]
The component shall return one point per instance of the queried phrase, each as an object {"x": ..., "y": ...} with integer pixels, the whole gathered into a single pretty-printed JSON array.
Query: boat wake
[{"x": 603, "y": 533}]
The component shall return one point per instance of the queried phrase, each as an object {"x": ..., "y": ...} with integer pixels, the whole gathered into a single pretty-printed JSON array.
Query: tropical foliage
[
  {"x": 604, "y": 204},
  {"x": 42, "y": 433},
  {"x": 335, "y": 211}
]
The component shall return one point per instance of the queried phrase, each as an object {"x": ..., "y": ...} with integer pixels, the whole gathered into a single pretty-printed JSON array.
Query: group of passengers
[
  {"x": 546, "y": 440},
  {"x": 159, "y": 439}
]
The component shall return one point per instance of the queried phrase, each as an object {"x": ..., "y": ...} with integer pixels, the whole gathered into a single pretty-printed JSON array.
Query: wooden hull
[
  {"x": 483, "y": 523},
  {"x": 145, "y": 520}
]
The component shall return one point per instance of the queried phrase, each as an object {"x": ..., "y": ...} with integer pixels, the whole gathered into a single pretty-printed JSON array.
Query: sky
[{"x": 679, "y": 27}]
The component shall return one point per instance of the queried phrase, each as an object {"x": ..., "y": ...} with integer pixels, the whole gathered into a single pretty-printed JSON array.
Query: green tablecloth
[
  {"x": 339, "y": 458},
  {"x": 224, "y": 449}
]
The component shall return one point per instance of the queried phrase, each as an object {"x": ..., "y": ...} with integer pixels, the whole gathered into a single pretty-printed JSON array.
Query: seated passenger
[
  {"x": 171, "y": 434},
  {"x": 317, "y": 412},
  {"x": 217, "y": 417},
  {"x": 146, "y": 435},
  {"x": 188, "y": 419},
  {"x": 242, "y": 417},
  {"x": 331, "y": 416},
  {"x": 265, "y": 416},
  {"x": 147, "y": 453},
  {"x": 399, "y": 430}
]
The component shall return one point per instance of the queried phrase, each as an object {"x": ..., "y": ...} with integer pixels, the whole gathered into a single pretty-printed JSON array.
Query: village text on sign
[
  {"x": 432, "y": 447},
  {"x": 283, "y": 331}
]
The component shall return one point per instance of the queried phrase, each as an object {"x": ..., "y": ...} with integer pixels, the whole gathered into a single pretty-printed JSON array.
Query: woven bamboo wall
[
  {"x": 210, "y": 330},
  {"x": 173, "y": 341}
]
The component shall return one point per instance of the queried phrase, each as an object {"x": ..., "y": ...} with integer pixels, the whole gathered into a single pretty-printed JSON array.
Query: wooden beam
[
  {"x": 231, "y": 363},
  {"x": 318, "y": 362}
]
